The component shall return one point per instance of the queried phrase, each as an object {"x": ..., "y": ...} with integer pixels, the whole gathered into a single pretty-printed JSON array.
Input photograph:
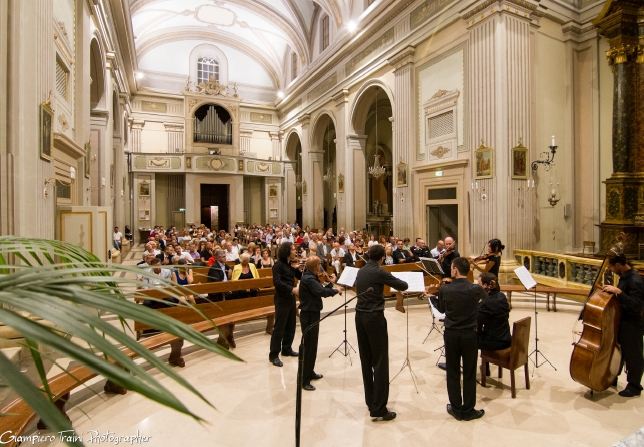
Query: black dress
[
  {"x": 245, "y": 293},
  {"x": 493, "y": 325}
]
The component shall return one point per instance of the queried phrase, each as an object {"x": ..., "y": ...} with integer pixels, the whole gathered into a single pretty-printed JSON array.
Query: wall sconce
[
  {"x": 552, "y": 198},
  {"x": 550, "y": 157},
  {"x": 480, "y": 190},
  {"x": 93, "y": 158},
  {"x": 92, "y": 188},
  {"x": 52, "y": 181}
]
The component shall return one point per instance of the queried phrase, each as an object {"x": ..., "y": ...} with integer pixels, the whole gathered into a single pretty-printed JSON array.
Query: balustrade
[{"x": 559, "y": 270}]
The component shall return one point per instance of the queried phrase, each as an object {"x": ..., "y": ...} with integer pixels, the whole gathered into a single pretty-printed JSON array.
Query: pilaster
[
  {"x": 356, "y": 145},
  {"x": 403, "y": 137},
  {"x": 345, "y": 201},
  {"x": 308, "y": 210}
]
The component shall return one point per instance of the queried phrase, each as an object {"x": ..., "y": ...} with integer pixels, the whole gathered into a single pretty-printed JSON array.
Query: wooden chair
[
  {"x": 513, "y": 357},
  {"x": 590, "y": 245}
]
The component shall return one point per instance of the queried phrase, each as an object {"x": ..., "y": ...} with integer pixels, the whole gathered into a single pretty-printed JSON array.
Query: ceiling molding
[
  {"x": 189, "y": 33},
  {"x": 297, "y": 36}
]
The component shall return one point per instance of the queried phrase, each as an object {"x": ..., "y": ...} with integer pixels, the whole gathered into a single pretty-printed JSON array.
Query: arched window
[
  {"x": 207, "y": 67},
  {"x": 324, "y": 32}
]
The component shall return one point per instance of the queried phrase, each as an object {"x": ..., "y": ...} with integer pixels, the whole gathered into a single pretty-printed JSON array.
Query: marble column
[
  {"x": 356, "y": 154},
  {"x": 403, "y": 139},
  {"x": 344, "y": 164},
  {"x": 622, "y": 23}
]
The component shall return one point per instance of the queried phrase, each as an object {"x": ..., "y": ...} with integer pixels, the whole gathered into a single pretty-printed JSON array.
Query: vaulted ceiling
[{"x": 255, "y": 35}]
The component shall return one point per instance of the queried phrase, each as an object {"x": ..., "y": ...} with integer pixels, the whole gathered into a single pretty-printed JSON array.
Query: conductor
[
  {"x": 371, "y": 327},
  {"x": 311, "y": 294}
]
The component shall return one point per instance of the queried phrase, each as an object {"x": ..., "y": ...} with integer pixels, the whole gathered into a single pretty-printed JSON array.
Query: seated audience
[
  {"x": 183, "y": 276},
  {"x": 389, "y": 259},
  {"x": 337, "y": 257},
  {"x": 219, "y": 271},
  {"x": 402, "y": 255}
]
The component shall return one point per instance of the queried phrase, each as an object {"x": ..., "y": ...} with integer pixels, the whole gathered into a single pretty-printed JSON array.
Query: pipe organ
[{"x": 213, "y": 124}]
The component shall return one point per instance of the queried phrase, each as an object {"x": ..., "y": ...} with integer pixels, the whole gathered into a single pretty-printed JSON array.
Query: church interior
[{"x": 520, "y": 120}]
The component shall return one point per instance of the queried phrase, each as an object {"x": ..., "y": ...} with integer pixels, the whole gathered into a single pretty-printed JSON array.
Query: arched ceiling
[{"x": 264, "y": 30}]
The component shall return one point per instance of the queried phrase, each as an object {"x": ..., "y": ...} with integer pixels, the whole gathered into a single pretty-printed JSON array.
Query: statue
[
  {"x": 188, "y": 84},
  {"x": 235, "y": 88}
]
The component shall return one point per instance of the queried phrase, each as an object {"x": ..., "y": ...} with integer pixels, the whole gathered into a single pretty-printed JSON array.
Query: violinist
[
  {"x": 630, "y": 293},
  {"x": 492, "y": 260},
  {"x": 450, "y": 253},
  {"x": 493, "y": 314}
]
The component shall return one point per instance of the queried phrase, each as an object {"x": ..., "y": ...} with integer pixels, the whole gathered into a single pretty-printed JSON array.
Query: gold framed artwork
[
  {"x": 189, "y": 162},
  {"x": 341, "y": 183},
  {"x": 144, "y": 214},
  {"x": 272, "y": 190},
  {"x": 304, "y": 188},
  {"x": 520, "y": 162},
  {"x": 401, "y": 174},
  {"x": 112, "y": 175},
  {"x": 144, "y": 189},
  {"x": 240, "y": 165},
  {"x": 88, "y": 151},
  {"x": 483, "y": 162},
  {"x": 273, "y": 213},
  {"x": 46, "y": 130}
]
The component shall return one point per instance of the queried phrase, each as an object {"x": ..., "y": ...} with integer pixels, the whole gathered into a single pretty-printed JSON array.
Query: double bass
[{"x": 596, "y": 356}]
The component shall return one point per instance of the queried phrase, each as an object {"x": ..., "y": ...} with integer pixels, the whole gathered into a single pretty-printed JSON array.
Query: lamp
[
  {"x": 377, "y": 170},
  {"x": 550, "y": 157},
  {"x": 552, "y": 198},
  {"x": 298, "y": 178},
  {"x": 329, "y": 175},
  {"x": 52, "y": 181}
]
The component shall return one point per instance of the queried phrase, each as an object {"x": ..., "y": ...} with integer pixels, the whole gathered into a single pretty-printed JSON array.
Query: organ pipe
[{"x": 212, "y": 129}]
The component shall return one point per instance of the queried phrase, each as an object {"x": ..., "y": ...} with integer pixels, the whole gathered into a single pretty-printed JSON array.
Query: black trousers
[
  {"x": 307, "y": 318},
  {"x": 373, "y": 347},
  {"x": 284, "y": 327},
  {"x": 630, "y": 336},
  {"x": 461, "y": 344}
]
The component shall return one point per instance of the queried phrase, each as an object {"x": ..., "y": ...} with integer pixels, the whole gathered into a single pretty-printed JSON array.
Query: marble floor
[{"x": 255, "y": 401}]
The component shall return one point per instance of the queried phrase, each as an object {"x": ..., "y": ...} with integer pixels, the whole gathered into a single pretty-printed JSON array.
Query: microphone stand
[{"x": 300, "y": 366}]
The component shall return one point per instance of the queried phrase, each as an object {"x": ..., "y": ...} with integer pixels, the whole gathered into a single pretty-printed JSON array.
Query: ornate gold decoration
[
  {"x": 623, "y": 53},
  {"x": 192, "y": 102},
  {"x": 261, "y": 118},
  {"x": 384, "y": 41},
  {"x": 159, "y": 162},
  {"x": 63, "y": 122},
  {"x": 217, "y": 164},
  {"x": 439, "y": 94},
  {"x": 150, "y": 106},
  {"x": 189, "y": 162},
  {"x": 322, "y": 87},
  {"x": 262, "y": 167},
  {"x": 212, "y": 87},
  {"x": 440, "y": 151}
]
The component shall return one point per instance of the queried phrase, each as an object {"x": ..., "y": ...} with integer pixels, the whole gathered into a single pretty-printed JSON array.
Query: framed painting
[
  {"x": 88, "y": 151},
  {"x": 144, "y": 214},
  {"x": 46, "y": 131},
  {"x": 304, "y": 188},
  {"x": 483, "y": 162},
  {"x": 272, "y": 190},
  {"x": 144, "y": 189},
  {"x": 273, "y": 213},
  {"x": 112, "y": 175},
  {"x": 401, "y": 174},
  {"x": 341, "y": 183},
  {"x": 520, "y": 162}
]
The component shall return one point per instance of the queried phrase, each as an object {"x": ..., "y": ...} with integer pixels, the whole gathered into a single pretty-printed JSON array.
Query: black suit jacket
[
  {"x": 312, "y": 292},
  {"x": 216, "y": 274},
  {"x": 402, "y": 254},
  {"x": 284, "y": 280},
  {"x": 372, "y": 275},
  {"x": 348, "y": 259},
  {"x": 459, "y": 302}
]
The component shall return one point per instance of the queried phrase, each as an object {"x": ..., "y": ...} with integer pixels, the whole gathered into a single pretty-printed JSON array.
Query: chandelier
[
  {"x": 329, "y": 174},
  {"x": 377, "y": 170},
  {"x": 298, "y": 178}
]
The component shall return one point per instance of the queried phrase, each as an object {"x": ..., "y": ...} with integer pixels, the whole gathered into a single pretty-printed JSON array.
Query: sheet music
[
  {"x": 413, "y": 279},
  {"x": 525, "y": 277},
  {"x": 348, "y": 276}
]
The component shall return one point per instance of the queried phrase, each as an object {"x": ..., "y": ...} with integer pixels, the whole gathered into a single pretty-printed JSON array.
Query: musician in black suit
[
  {"x": 402, "y": 256},
  {"x": 285, "y": 290},
  {"x": 630, "y": 293},
  {"x": 449, "y": 255},
  {"x": 493, "y": 315},
  {"x": 219, "y": 271},
  {"x": 371, "y": 328},
  {"x": 459, "y": 302},
  {"x": 311, "y": 294}
]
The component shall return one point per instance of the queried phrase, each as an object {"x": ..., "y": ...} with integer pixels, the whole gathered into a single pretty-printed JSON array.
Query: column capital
[
  {"x": 275, "y": 136},
  {"x": 403, "y": 58},
  {"x": 137, "y": 124},
  {"x": 173, "y": 127},
  {"x": 341, "y": 98},
  {"x": 247, "y": 133},
  {"x": 305, "y": 120},
  {"x": 481, "y": 10}
]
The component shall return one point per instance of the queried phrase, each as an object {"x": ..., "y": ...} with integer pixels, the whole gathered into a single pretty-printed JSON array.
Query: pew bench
[{"x": 554, "y": 291}]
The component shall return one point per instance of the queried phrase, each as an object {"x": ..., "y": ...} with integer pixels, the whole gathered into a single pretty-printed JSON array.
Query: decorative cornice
[
  {"x": 342, "y": 97},
  {"x": 404, "y": 57},
  {"x": 305, "y": 119},
  {"x": 576, "y": 28},
  {"x": 487, "y": 3}
]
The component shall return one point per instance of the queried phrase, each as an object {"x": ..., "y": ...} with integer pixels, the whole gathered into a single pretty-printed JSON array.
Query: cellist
[{"x": 630, "y": 293}]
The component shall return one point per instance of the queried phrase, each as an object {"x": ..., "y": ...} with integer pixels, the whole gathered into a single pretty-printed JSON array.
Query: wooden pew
[{"x": 554, "y": 291}]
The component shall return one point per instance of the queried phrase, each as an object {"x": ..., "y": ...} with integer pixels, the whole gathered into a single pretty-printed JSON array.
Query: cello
[{"x": 596, "y": 356}]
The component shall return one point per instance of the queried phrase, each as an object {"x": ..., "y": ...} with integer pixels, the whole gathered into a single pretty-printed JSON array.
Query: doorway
[
  {"x": 214, "y": 207},
  {"x": 442, "y": 221}
]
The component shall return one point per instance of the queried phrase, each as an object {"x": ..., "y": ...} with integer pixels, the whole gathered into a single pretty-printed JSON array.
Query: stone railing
[{"x": 559, "y": 270}]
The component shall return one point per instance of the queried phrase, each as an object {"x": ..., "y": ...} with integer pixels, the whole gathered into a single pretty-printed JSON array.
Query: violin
[
  {"x": 448, "y": 251},
  {"x": 480, "y": 259},
  {"x": 434, "y": 288}
]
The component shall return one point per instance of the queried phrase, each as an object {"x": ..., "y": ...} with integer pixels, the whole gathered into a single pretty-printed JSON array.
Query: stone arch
[
  {"x": 97, "y": 74},
  {"x": 208, "y": 49},
  {"x": 319, "y": 127},
  {"x": 364, "y": 98},
  {"x": 293, "y": 138}
]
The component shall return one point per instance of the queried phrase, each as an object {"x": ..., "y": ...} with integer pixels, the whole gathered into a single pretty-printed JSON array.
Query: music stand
[
  {"x": 416, "y": 287},
  {"x": 529, "y": 283},
  {"x": 434, "y": 325},
  {"x": 347, "y": 279}
]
